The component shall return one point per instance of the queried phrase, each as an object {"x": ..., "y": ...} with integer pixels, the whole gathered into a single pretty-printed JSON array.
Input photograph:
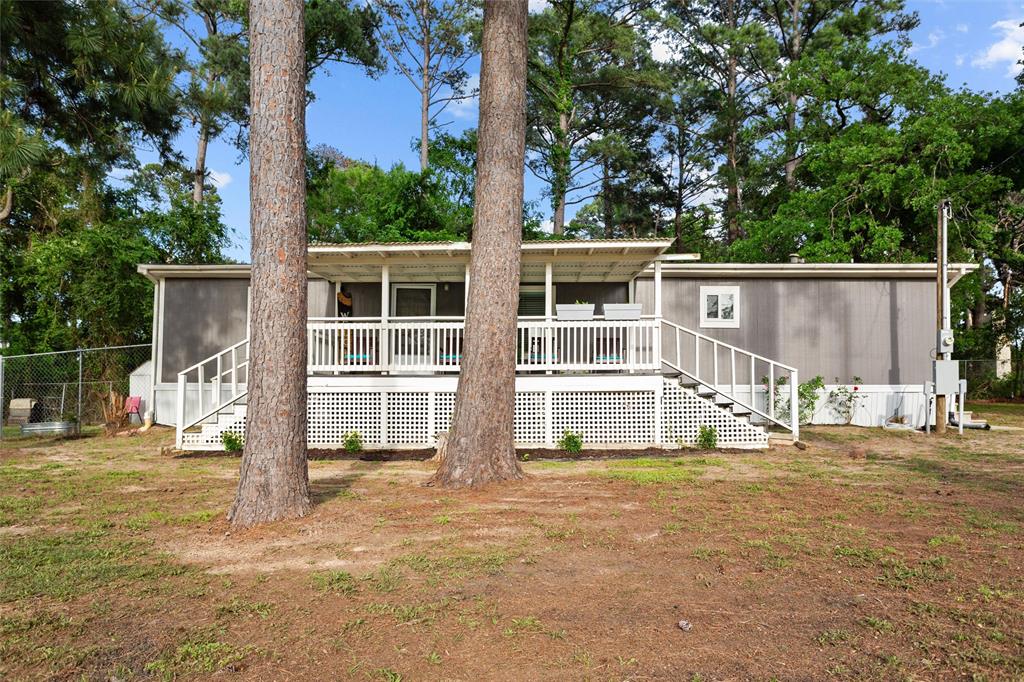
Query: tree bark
[
  {"x": 562, "y": 161},
  {"x": 274, "y": 481},
  {"x": 607, "y": 209},
  {"x": 481, "y": 443},
  {"x": 8, "y": 205},
  {"x": 734, "y": 198},
  {"x": 792, "y": 162},
  {"x": 425, "y": 91},
  {"x": 199, "y": 173}
]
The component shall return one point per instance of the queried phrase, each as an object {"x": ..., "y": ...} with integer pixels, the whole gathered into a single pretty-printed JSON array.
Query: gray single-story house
[{"x": 616, "y": 340}]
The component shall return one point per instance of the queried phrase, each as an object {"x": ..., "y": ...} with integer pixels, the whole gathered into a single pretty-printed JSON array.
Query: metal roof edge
[{"x": 806, "y": 270}]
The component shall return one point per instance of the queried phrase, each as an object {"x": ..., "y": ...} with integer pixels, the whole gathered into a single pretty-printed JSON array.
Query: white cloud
[
  {"x": 547, "y": 225},
  {"x": 959, "y": 60},
  {"x": 1005, "y": 50},
  {"x": 934, "y": 38},
  {"x": 962, "y": 28},
  {"x": 220, "y": 180},
  {"x": 662, "y": 49},
  {"x": 467, "y": 106},
  {"x": 538, "y": 5}
]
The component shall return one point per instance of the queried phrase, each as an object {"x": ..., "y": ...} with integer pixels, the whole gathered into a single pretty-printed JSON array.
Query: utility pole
[{"x": 942, "y": 321}]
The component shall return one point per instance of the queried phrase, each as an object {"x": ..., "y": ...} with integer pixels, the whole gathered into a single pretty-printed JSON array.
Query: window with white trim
[{"x": 720, "y": 307}]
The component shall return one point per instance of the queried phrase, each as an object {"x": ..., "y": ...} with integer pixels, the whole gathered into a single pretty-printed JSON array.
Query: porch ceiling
[{"x": 610, "y": 260}]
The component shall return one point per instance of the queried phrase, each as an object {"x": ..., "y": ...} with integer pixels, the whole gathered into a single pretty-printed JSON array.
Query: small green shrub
[
  {"x": 571, "y": 441},
  {"x": 707, "y": 438},
  {"x": 353, "y": 442},
  {"x": 232, "y": 441}
]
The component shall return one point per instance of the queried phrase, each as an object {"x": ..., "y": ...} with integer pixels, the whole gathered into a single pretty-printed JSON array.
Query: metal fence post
[{"x": 79, "y": 422}]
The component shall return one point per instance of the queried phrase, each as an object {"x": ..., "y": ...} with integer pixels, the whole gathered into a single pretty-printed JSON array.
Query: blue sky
[{"x": 976, "y": 43}]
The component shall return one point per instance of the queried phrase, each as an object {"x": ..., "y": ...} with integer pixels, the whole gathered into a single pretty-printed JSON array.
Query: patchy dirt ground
[{"x": 868, "y": 555}]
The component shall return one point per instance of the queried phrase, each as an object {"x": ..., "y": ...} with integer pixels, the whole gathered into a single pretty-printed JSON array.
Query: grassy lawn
[{"x": 868, "y": 555}]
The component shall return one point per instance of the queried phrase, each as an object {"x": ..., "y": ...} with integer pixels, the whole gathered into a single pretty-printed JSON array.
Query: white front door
[{"x": 411, "y": 341}]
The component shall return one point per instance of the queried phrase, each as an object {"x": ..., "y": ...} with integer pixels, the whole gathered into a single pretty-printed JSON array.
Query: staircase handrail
[{"x": 793, "y": 425}]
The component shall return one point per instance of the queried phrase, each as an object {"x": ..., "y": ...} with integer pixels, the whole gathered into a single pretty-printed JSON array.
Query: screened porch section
[{"x": 404, "y": 307}]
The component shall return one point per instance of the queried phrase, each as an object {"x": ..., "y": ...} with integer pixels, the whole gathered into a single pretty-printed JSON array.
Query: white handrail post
[
  {"x": 752, "y": 403},
  {"x": 202, "y": 380},
  {"x": 679, "y": 352},
  {"x": 794, "y": 411},
  {"x": 216, "y": 384},
  {"x": 234, "y": 370},
  {"x": 696, "y": 357},
  {"x": 771, "y": 390},
  {"x": 732, "y": 371},
  {"x": 657, "y": 312},
  {"x": 385, "y": 302},
  {"x": 714, "y": 349},
  {"x": 549, "y": 331},
  {"x": 179, "y": 423}
]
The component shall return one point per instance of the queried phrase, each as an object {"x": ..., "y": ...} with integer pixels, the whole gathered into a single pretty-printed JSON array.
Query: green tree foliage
[
  {"x": 74, "y": 283},
  {"x": 589, "y": 68},
  {"x": 88, "y": 79},
  {"x": 353, "y": 201}
]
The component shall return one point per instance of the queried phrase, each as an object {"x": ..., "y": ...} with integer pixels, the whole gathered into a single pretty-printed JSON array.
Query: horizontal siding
[{"x": 879, "y": 330}]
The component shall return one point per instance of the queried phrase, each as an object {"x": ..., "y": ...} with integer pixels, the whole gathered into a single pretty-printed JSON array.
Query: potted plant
[
  {"x": 580, "y": 310},
  {"x": 622, "y": 311}
]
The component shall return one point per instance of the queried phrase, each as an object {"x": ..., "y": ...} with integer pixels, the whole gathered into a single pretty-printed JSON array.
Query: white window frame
[
  {"x": 402, "y": 285},
  {"x": 716, "y": 323}
]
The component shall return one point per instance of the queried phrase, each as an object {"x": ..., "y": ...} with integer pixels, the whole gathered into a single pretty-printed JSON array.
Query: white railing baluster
[
  {"x": 202, "y": 380},
  {"x": 732, "y": 372},
  {"x": 771, "y": 389}
]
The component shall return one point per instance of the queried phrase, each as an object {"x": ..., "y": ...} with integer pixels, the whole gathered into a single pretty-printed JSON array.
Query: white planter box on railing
[
  {"x": 575, "y": 311},
  {"x": 622, "y": 311}
]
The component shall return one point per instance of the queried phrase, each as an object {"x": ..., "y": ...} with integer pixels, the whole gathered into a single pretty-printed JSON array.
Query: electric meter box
[
  {"x": 946, "y": 374},
  {"x": 944, "y": 341}
]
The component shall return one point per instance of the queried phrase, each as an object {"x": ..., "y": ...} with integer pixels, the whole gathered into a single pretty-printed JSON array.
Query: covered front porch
[{"x": 399, "y": 308}]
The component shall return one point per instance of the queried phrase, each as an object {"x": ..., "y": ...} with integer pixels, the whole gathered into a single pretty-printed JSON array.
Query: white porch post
[
  {"x": 385, "y": 302},
  {"x": 657, "y": 313},
  {"x": 657, "y": 288},
  {"x": 465, "y": 302},
  {"x": 548, "y": 303},
  {"x": 548, "y": 306}
]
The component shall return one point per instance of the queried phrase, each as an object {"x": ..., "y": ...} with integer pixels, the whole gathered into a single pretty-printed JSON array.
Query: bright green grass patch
[
  {"x": 67, "y": 565},
  {"x": 655, "y": 470},
  {"x": 200, "y": 653},
  {"x": 14, "y": 510},
  {"x": 459, "y": 563},
  {"x": 335, "y": 581}
]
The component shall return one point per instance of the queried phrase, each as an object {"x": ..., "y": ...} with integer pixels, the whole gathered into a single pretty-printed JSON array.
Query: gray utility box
[{"x": 946, "y": 375}]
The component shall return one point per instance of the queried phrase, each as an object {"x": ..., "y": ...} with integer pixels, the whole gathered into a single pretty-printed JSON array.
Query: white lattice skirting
[{"x": 663, "y": 414}]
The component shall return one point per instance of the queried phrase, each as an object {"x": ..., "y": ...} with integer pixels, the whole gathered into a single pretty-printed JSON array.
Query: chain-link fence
[{"x": 63, "y": 391}]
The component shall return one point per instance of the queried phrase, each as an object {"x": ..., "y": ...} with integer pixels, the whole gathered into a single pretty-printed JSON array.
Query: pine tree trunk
[
  {"x": 199, "y": 173},
  {"x": 607, "y": 209},
  {"x": 425, "y": 91},
  {"x": 481, "y": 443},
  {"x": 274, "y": 481},
  {"x": 558, "y": 219},
  {"x": 794, "y": 100}
]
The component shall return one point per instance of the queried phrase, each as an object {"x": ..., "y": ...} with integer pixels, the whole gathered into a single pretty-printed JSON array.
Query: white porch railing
[
  {"x": 729, "y": 371},
  {"x": 435, "y": 345},
  {"x": 339, "y": 346}
]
